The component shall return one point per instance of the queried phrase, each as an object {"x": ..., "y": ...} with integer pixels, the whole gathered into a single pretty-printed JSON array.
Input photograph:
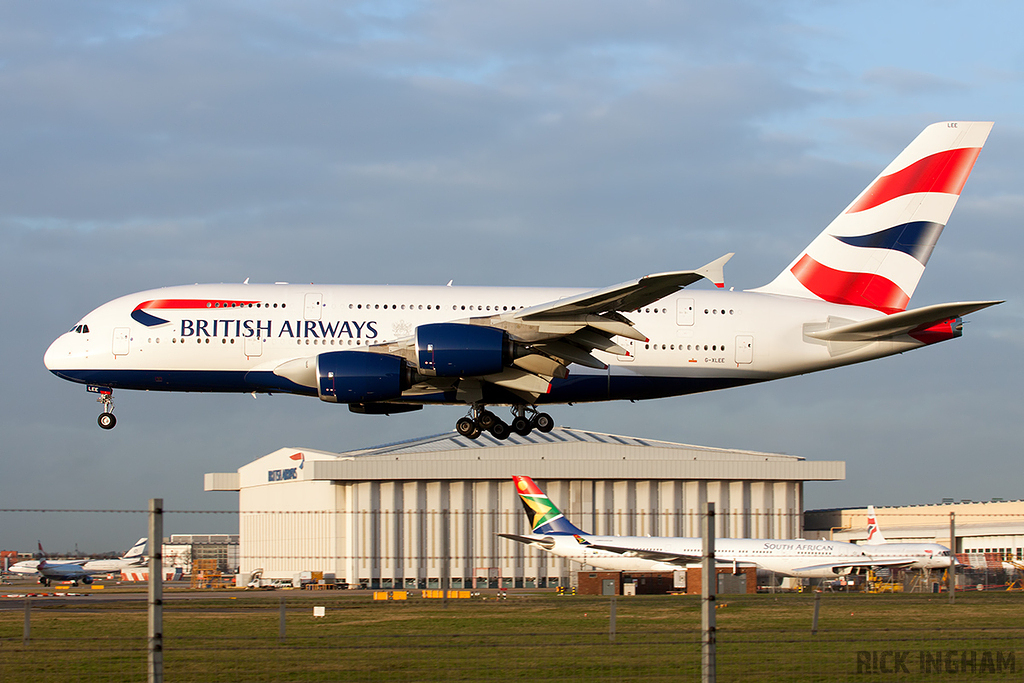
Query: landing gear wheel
[
  {"x": 465, "y": 427},
  {"x": 543, "y": 422},
  {"x": 486, "y": 419},
  {"x": 521, "y": 426},
  {"x": 499, "y": 430},
  {"x": 107, "y": 420}
]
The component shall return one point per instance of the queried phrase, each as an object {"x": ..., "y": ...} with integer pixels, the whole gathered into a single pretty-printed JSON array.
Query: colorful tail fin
[
  {"x": 136, "y": 551},
  {"x": 875, "y": 536},
  {"x": 874, "y": 253},
  {"x": 544, "y": 517}
]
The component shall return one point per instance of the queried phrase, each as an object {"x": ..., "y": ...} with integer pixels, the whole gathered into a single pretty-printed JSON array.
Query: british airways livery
[{"x": 393, "y": 349}]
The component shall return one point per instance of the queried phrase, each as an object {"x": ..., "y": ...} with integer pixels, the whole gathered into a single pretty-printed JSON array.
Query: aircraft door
[
  {"x": 122, "y": 341},
  {"x": 314, "y": 306},
  {"x": 253, "y": 346},
  {"x": 745, "y": 348},
  {"x": 684, "y": 311}
]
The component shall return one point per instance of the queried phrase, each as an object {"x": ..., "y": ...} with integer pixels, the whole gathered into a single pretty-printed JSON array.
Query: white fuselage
[
  {"x": 924, "y": 555},
  {"x": 791, "y": 557},
  {"x": 232, "y": 338}
]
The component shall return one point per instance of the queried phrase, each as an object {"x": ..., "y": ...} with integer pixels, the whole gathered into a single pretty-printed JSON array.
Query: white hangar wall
[{"x": 411, "y": 514}]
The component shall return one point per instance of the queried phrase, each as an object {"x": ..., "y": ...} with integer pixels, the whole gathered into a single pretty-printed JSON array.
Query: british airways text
[{"x": 301, "y": 329}]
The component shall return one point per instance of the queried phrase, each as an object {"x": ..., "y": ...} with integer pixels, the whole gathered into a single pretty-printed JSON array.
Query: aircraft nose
[{"x": 57, "y": 354}]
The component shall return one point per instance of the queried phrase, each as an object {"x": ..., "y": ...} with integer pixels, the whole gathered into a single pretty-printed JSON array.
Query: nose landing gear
[
  {"x": 480, "y": 420},
  {"x": 106, "y": 419}
]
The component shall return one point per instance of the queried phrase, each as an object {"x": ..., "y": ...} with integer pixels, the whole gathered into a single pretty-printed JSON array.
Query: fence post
[
  {"x": 281, "y": 627},
  {"x": 611, "y": 621},
  {"x": 817, "y": 606},
  {"x": 952, "y": 565},
  {"x": 156, "y": 590},
  {"x": 709, "y": 586},
  {"x": 28, "y": 623}
]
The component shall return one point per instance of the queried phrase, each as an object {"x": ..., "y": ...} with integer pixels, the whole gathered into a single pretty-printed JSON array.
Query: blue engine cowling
[
  {"x": 460, "y": 350},
  {"x": 358, "y": 376}
]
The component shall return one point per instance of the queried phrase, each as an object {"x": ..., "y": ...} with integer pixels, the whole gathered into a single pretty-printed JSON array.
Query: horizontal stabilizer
[
  {"x": 545, "y": 542},
  {"x": 904, "y": 322}
]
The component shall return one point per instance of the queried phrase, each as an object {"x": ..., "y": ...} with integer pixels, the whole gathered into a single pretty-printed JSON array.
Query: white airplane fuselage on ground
[{"x": 789, "y": 557}]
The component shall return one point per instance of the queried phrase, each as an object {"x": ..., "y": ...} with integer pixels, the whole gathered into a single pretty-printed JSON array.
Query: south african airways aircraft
[
  {"x": 393, "y": 349},
  {"x": 797, "y": 557}
]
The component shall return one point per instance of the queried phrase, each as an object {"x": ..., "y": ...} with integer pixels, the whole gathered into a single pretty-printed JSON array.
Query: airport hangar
[{"x": 411, "y": 514}]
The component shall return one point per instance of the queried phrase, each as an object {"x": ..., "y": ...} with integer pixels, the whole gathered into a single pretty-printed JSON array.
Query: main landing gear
[
  {"x": 106, "y": 419},
  {"x": 482, "y": 420}
]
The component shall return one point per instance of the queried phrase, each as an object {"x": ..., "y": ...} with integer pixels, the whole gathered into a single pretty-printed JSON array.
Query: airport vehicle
[
  {"x": 394, "y": 349},
  {"x": 48, "y": 572},
  {"x": 135, "y": 557},
  {"x": 914, "y": 555},
  {"x": 791, "y": 557}
]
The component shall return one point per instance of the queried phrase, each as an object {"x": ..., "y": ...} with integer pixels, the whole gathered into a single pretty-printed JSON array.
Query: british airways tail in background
[{"x": 393, "y": 349}]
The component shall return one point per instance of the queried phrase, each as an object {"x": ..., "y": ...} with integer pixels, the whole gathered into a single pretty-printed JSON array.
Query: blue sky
[{"x": 501, "y": 143}]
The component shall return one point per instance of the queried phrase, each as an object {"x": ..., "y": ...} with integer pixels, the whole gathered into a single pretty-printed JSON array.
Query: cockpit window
[{"x": 80, "y": 329}]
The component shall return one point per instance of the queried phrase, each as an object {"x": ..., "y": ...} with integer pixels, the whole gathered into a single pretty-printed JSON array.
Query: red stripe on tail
[
  {"x": 854, "y": 289},
  {"x": 944, "y": 172}
]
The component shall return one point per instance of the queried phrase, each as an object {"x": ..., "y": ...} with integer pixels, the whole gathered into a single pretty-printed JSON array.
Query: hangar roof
[{"x": 562, "y": 453}]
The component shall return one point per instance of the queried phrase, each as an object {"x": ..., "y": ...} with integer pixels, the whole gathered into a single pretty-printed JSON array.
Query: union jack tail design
[
  {"x": 875, "y": 536},
  {"x": 874, "y": 253},
  {"x": 544, "y": 517}
]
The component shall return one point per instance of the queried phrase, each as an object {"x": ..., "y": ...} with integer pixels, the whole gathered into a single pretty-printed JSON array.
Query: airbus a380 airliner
[{"x": 392, "y": 349}]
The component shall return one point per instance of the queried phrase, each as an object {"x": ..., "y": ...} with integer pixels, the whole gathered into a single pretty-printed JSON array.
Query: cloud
[{"x": 505, "y": 143}]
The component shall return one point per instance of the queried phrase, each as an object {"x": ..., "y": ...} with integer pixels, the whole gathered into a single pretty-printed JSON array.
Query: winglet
[{"x": 715, "y": 271}]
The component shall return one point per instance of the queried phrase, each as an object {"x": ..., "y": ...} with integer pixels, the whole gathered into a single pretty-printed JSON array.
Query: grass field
[{"x": 528, "y": 636}]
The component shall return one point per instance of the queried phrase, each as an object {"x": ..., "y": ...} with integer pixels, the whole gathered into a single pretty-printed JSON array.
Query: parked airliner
[
  {"x": 135, "y": 557},
  {"x": 48, "y": 571},
  {"x": 916, "y": 555},
  {"x": 393, "y": 349},
  {"x": 791, "y": 557}
]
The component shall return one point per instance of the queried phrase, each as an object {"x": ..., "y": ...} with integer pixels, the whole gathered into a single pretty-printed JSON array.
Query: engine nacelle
[
  {"x": 460, "y": 350},
  {"x": 358, "y": 376}
]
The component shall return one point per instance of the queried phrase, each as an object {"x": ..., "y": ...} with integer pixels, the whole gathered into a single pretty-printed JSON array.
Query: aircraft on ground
[
  {"x": 135, "y": 557},
  {"x": 54, "y": 571},
  {"x": 394, "y": 349},
  {"x": 915, "y": 555},
  {"x": 792, "y": 557}
]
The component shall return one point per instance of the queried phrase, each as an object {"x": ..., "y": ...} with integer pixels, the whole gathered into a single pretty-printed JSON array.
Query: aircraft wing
[
  {"x": 553, "y": 335},
  {"x": 905, "y": 322},
  {"x": 627, "y": 296},
  {"x": 646, "y": 554},
  {"x": 892, "y": 563}
]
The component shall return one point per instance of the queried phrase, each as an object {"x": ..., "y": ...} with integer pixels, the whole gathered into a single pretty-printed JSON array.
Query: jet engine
[
  {"x": 359, "y": 376},
  {"x": 460, "y": 350}
]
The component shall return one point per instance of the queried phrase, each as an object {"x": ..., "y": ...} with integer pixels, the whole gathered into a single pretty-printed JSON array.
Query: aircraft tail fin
[
  {"x": 544, "y": 516},
  {"x": 137, "y": 550},
  {"x": 874, "y": 253},
  {"x": 875, "y": 536}
]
